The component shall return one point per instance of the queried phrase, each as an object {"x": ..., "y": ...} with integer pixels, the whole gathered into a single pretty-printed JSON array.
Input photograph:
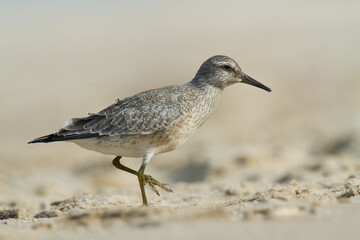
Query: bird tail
[
  {"x": 72, "y": 130},
  {"x": 55, "y": 137},
  {"x": 48, "y": 138}
]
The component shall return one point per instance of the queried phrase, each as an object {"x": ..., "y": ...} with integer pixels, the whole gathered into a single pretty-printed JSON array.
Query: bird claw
[{"x": 152, "y": 182}]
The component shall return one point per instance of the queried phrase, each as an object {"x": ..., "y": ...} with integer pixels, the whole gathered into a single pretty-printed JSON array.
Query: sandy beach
[{"x": 279, "y": 165}]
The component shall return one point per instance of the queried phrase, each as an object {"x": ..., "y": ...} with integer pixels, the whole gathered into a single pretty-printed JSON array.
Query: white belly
[
  {"x": 117, "y": 146},
  {"x": 129, "y": 146}
]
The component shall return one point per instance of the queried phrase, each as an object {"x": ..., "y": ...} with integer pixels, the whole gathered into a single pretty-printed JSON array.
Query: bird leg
[
  {"x": 147, "y": 179},
  {"x": 116, "y": 162},
  {"x": 142, "y": 184}
]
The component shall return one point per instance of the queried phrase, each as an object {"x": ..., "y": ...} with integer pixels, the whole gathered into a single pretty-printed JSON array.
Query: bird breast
[{"x": 203, "y": 106}]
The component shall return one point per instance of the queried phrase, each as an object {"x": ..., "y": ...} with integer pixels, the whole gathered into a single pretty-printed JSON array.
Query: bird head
[{"x": 222, "y": 71}]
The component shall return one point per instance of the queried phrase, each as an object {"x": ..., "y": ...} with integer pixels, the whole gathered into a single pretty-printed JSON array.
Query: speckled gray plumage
[
  {"x": 144, "y": 113},
  {"x": 176, "y": 110}
]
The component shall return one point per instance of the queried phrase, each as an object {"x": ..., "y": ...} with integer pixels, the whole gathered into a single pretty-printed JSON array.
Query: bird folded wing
[{"x": 118, "y": 120}]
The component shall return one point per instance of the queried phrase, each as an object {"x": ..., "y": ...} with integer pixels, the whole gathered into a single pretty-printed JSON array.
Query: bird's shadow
[{"x": 192, "y": 171}]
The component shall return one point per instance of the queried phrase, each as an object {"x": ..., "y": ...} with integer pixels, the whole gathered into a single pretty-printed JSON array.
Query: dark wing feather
[
  {"x": 144, "y": 113},
  {"x": 131, "y": 120},
  {"x": 127, "y": 121}
]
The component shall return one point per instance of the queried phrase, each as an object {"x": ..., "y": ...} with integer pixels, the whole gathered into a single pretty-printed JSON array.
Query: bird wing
[
  {"x": 120, "y": 119},
  {"x": 143, "y": 113}
]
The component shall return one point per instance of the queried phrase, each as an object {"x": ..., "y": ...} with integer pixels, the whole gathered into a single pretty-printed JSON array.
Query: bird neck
[
  {"x": 205, "y": 91},
  {"x": 201, "y": 82},
  {"x": 207, "y": 98}
]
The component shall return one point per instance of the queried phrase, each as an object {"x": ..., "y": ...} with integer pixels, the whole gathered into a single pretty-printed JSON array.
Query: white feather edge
[{"x": 67, "y": 123}]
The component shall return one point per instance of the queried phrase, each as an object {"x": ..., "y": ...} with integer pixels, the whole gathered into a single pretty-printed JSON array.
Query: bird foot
[{"x": 153, "y": 182}]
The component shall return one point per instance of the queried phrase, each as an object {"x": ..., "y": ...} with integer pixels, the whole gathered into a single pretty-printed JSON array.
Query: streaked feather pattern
[{"x": 144, "y": 113}]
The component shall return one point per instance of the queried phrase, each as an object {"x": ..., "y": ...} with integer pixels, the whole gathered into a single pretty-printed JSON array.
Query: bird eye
[{"x": 226, "y": 67}]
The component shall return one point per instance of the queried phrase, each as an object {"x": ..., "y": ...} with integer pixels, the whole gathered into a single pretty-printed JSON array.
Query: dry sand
[{"x": 277, "y": 165}]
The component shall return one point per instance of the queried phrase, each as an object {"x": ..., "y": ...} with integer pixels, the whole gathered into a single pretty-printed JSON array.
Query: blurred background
[{"x": 62, "y": 59}]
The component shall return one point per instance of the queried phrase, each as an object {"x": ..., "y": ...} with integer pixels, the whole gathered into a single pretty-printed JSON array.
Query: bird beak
[{"x": 249, "y": 80}]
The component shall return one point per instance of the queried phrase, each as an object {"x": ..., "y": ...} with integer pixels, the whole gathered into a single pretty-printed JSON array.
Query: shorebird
[{"x": 155, "y": 121}]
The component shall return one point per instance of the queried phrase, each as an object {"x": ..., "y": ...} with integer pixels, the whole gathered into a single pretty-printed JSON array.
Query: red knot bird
[{"x": 154, "y": 121}]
